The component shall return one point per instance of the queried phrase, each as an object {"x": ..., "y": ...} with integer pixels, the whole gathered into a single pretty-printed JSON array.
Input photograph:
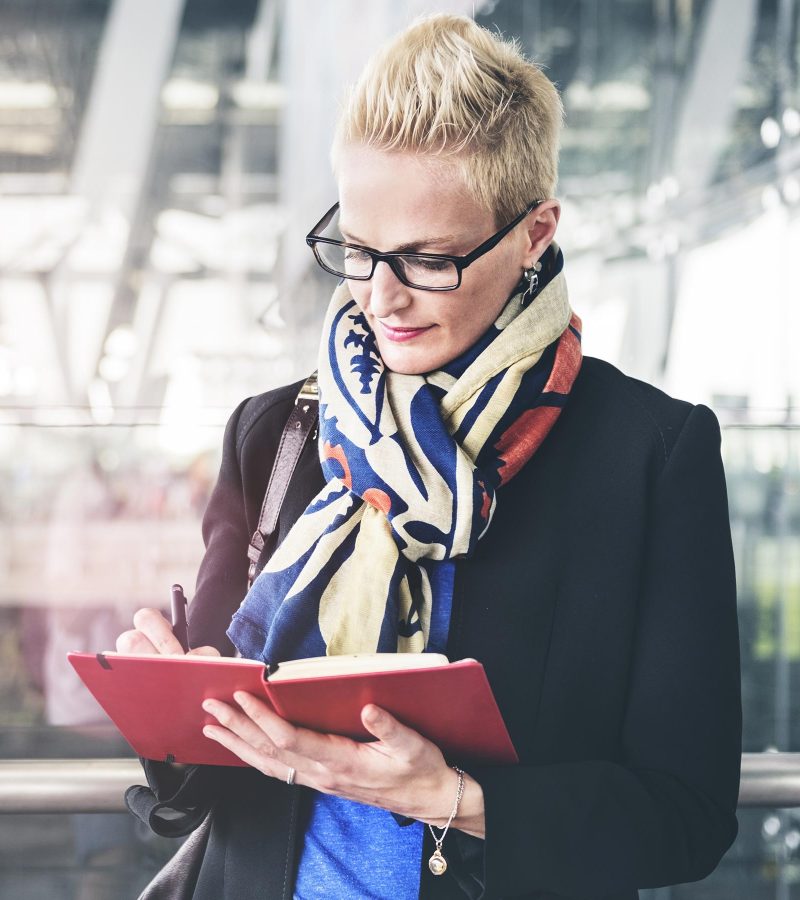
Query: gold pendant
[{"x": 437, "y": 863}]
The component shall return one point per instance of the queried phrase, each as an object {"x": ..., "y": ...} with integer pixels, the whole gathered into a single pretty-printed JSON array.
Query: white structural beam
[
  {"x": 691, "y": 129},
  {"x": 709, "y": 104},
  {"x": 111, "y": 166}
]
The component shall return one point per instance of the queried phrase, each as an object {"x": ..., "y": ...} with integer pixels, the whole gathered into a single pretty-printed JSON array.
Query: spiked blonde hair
[{"x": 448, "y": 88}]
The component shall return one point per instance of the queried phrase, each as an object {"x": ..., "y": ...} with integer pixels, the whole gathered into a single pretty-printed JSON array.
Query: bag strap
[{"x": 299, "y": 426}]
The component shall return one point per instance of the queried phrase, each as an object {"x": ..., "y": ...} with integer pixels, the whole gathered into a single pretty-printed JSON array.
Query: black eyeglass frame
[{"x": 460, "y": 262}]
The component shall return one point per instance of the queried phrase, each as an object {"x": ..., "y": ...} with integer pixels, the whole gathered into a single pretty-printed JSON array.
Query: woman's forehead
[{"x": 397, "y": 198}]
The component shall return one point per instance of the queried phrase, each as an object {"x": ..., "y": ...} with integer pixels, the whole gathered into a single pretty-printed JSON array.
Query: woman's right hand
[{"x": 152, "y": 634}]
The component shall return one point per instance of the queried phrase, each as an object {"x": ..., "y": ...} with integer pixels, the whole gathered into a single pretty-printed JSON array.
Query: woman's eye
[
  {"x": 353, "y": 255},
  {"x": 430, "y": 265}
]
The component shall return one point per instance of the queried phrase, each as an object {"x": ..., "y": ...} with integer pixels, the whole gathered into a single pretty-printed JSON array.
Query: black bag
[{"x": 178, "y": 879}]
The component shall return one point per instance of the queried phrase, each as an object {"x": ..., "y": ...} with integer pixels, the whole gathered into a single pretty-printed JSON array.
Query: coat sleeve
[
  {"x": 665, "y": 812},
  {"x": 222, "y": 576},
  {"x": 177, "y": 799}
]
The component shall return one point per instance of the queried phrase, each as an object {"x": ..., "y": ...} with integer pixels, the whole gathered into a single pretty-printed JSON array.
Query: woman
[{"x": 476, "y": 488}]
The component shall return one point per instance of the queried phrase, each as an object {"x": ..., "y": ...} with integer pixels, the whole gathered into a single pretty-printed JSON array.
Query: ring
[{"x": 290, "y": 776}]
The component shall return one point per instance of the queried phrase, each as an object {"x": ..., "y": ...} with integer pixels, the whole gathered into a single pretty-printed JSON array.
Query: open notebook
[{"x": 155, "y": 701}]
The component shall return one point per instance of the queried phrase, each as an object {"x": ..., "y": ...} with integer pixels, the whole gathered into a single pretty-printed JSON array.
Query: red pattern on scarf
[{"x": 523, "y": 438}]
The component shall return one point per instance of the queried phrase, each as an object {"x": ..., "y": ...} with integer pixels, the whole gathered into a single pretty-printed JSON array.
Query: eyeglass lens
[{"x": 418, "y": 271}]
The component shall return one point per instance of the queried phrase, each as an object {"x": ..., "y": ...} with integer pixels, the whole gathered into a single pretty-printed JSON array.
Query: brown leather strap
[{"x": 300, "y": 425}]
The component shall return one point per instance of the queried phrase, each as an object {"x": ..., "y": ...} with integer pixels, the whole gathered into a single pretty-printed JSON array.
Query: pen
[{"x": 180, "y": 627}]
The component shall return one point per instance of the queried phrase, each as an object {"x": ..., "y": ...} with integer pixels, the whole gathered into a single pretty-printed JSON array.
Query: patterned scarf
[{"x": 412, "y": 464}]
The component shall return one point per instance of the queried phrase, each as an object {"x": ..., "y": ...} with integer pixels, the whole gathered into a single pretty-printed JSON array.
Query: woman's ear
[{"x": 540, "y": 229}]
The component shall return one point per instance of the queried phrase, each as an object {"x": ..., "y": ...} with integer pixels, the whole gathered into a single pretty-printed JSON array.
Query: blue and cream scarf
[{"x": 412, "y": 464}]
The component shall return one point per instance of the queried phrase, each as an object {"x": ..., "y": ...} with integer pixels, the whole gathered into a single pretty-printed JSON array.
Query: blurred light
[
  {"x": 770, "y": 133},
  {"x": 656, "y": 195},
  {"x": 560, "y": 37},
  {"x": 258, "y": 94},
  {"x": 579, "y": 95},
  {"x": 39, "y": 184},
  {"x": 26, "y": 381},
  {"x": 621, "y": 96},
  {"x": 771, "y": 198},
  {"x": 749, "y": 96},
  {"x": 113, "y": 368},
  {"x": 180, "y": 434},
  {"x": 791, "y": 122},
  {"x": 170, "y": 259},
  {"x": 6, "y": 381},
  {"x": 100, "y": 402},
  {"x": 792, "y": 839},
  {"x": 671, "y": 243},
  {"x": 671, "y": 187},
  {"x": 183, "y": 93},
  {"x": 213, "y": 205},
  {"x": 609, "y": 96},
  {"x": 108, "y": 459},
  {"x": 655, "y": 250},
  {"x": 588, "y": 234},
  {"x": 27, "y": 143},
  {"x": 623, "y": 211},
  {"x": 791, "y": 190},
  {"x": 27, "y": 95},
  {"x": 771, "y": 826},
  {"x": 101, "y": 244},
  {"x": 121, "y": 342}
]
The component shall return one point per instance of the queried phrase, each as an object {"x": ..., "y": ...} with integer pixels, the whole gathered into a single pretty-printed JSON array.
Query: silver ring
[{"x": 290, "y": 776}]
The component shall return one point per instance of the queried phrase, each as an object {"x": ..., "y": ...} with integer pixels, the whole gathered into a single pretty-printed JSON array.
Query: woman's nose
[{"x": 387, "y": 292}]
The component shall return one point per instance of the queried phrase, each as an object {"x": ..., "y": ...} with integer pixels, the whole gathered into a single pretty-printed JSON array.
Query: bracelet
[{"x": 437, "y": 863}]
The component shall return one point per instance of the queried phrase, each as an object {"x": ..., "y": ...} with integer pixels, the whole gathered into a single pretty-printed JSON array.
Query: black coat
[{"x": 602, "y": 604}]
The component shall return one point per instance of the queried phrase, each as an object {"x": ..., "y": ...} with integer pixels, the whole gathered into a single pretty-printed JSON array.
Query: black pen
[{"x": 180, "y": 627}]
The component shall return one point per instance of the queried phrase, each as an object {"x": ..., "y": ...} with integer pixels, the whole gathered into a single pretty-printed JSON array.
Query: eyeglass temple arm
[{"x": 494, "y": 240}]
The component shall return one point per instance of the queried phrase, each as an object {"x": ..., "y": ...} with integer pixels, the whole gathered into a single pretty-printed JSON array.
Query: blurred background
[{"x": 160, "y": 164}]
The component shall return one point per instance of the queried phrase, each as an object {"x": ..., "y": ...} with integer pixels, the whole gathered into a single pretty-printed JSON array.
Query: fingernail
[
  {"x": 240, "y": 697},
  {"x": 208, "y": 706}
]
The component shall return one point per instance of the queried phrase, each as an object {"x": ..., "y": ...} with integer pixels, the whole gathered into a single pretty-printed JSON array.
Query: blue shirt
[{"x": 356, "y": 852}]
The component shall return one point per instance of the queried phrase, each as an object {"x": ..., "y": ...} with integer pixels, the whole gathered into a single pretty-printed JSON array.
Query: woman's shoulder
[
  {"x": 634, "y": 406},
  {"x": 264, "y": 415}
]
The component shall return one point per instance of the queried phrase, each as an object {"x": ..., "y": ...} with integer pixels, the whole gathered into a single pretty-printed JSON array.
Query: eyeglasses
[{"x": 425, "y": 271}]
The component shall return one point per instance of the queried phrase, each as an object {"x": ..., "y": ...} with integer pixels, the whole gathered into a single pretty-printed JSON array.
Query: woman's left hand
[{"x": 400, "y": 771}]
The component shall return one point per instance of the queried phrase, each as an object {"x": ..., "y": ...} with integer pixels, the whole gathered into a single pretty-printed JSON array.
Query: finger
[
  {"x": 397, "y": 737},
  {"x": 157, "y": 630},
  {"x": 236, "y": 721},
  {"x": 134, "y": 643},
  {"x": 293, "y": 744},
  {"x": 203, "y": 651},
  {"x": 240, "y": 747}
]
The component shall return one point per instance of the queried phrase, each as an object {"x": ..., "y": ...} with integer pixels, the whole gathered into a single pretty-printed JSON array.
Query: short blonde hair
[{"x": 449, "y": 88}]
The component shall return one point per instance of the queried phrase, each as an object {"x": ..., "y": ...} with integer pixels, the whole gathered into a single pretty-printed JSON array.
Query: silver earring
[{"x": 532, "y": 277}]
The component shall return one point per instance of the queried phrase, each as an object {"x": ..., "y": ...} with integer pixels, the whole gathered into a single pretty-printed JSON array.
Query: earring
[{"x": 532, "y": 277}]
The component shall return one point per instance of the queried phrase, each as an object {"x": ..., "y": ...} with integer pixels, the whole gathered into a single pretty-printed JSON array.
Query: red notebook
[{"x": 155, "y": 701}]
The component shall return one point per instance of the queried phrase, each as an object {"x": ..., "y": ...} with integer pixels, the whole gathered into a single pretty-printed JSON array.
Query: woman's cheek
[{"x": 359, "y": 291}]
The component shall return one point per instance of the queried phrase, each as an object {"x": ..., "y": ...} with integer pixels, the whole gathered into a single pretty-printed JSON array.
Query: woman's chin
[
  {"x": 407, "y": 360},
  {"x": 410, "y": 363}
]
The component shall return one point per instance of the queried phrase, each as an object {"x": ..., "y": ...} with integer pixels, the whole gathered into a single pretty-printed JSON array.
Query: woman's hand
[
  {"x": 401, "y": 771},
  {"x": 152, "y": 634}
]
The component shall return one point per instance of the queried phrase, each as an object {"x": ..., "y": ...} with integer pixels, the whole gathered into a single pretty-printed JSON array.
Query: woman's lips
[{"x": 402, "y": 334}]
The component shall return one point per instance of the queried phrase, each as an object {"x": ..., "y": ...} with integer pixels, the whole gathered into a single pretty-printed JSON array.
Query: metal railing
[{"x": 98, "y": 785}]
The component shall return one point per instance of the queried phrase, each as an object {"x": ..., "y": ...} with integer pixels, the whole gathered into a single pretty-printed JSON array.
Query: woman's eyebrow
[{"x": 411, "y": 247}]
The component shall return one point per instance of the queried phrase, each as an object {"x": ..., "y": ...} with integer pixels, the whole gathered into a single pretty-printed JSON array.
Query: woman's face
[{"x": 392, "y": 201}]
